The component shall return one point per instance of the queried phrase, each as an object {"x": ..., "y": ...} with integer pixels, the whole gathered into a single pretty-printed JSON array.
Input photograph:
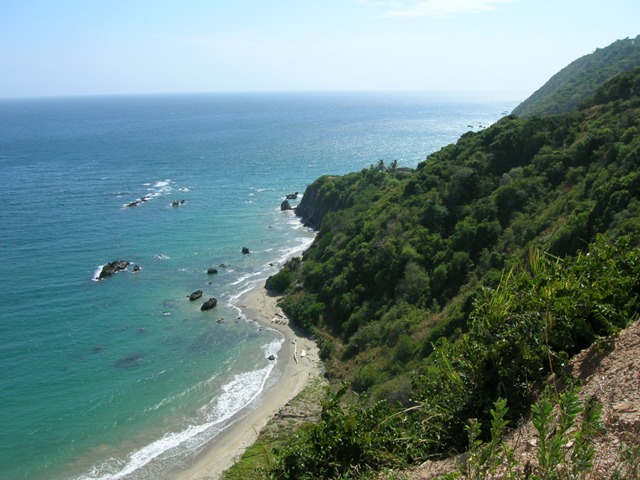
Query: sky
[{"x": 501, "y": 48}]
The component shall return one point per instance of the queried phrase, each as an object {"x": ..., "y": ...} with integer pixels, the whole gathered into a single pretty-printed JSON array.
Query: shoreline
[{"x": 297, "y": 364}]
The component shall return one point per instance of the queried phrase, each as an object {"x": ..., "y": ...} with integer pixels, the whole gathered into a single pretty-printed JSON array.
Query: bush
[{"x": 280, "y": 282}]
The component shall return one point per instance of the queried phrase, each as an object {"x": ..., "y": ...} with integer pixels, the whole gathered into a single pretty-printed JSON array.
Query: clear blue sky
[{"x": 509, "y": 47}]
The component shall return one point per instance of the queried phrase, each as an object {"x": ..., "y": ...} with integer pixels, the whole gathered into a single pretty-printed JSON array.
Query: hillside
[
  {"x": 611, "y": 376},
  {"x": 444, "y": 299},
  {"x": 439, "y": 291},
  {"x": 580, "y": 79},
  {"x": 398, "y": 258}
]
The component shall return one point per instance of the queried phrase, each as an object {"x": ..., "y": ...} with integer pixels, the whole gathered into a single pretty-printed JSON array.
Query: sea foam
[{"x": 236, "y": 395}]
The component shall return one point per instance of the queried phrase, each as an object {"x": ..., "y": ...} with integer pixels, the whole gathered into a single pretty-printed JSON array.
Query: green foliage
[
  {"x": 484, "y": 458},
  {"x": 528, "y": 327},
  {"x": 434, "y": 237},
  {"x": 303, "y": 308},
  {"x": 475, "y": 277},
  {"x": 566, "y": 428},
  {"x": 347, "y": 440},
  {"x": 557, "y": 431},
  {"x": 580, "y": 79},
  {"x": 281, "y": 281}
]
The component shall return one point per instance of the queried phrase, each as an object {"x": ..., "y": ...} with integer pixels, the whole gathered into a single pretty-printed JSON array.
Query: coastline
[{"x": 297, "y": 364}]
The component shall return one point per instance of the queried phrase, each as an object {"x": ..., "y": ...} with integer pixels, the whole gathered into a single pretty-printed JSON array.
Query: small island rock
[
  {"x": 195, "y": 295},
  {"x": 245, "y": 250},
  {"x": 212, "y": 270},
  {"x": 285, "y": 206},
  {"x": 111, "y": 268},
  {"x": 209, "y": 304}
]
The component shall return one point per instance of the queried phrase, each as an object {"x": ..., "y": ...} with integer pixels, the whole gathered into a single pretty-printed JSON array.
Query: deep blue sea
[{"x": 125, "y": 377}]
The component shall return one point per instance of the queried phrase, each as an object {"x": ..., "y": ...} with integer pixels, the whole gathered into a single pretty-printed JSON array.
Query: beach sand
[{"x": 297, "y": 364}]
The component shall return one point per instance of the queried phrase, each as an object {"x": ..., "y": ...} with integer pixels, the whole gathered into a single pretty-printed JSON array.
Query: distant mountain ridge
[{"x": 566, "y": 89}]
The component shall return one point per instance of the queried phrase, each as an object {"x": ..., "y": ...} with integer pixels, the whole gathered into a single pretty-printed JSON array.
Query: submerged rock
[{"x": 129, "y": 360}]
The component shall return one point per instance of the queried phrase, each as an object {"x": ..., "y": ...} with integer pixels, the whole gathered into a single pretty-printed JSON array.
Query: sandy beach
[{"x": 297, "y": 364}]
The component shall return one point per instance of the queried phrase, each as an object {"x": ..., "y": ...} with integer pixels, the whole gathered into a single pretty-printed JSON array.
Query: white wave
[
  {"x": 243, "y": 389},
  {"x": 249, "y": 276},
  {"x": 272, "y": 348},
  {"x": 96, "y": 274},
  {"x": 290, "y": 252},
  {"x": 142, "y": 457},
  {"x": 236, "y": 395},
  {"x": 162, "y": 183}
]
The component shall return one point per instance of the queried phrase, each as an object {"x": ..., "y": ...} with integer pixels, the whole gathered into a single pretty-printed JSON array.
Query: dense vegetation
[
  {"x": 436, "y": 293},
  {"x": 566, "y": 89}
]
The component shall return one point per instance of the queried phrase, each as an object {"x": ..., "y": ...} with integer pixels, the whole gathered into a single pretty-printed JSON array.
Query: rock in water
[
  {"x": 195, "y": 295},
  {"x": 285, "y": 206},
  {"x": 245, "y": 250},
  {"x": 209, "y": 304},
  {"x": 111, "y": 268}
]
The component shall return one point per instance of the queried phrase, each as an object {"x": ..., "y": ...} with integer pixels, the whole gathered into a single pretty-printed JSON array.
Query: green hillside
[
  {"x": 436, "y": 292},
  {"x": 580, "y": 79}
]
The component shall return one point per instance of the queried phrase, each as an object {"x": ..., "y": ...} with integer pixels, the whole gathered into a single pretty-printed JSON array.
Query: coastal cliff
[{"x": 319, "y": 199}]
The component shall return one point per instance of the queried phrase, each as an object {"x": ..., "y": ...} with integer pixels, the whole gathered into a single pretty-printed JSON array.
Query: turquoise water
[{"x": 125, "y": 378}]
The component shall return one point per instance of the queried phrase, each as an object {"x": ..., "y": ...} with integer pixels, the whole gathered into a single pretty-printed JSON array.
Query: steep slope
[
  {"x": 468, "y": 280},
  {"x": 580, "y": 79},
  {"x": 398, "y": 259},
  {"x": 611, "y": 375}
]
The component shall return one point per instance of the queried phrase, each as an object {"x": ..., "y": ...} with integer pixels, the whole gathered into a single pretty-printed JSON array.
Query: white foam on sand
[{"x": 235, "y": 396}]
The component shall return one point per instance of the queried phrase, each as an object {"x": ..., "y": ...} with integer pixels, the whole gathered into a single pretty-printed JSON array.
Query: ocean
[{"x": 125, "y": 378}]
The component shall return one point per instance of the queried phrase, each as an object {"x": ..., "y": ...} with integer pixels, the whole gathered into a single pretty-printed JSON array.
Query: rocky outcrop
[
  {"x": 319, "y": 199},
  {"x": 284, "y": 206},
  {"x": 292, "y": 196},
  {"x": 138, "y": 201},
  {"x": 212, "y": 271},
  {"x": 209, "y": 304},
  {"x": 112, "y": 268},
  {"x": 245, "y": 250}
]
